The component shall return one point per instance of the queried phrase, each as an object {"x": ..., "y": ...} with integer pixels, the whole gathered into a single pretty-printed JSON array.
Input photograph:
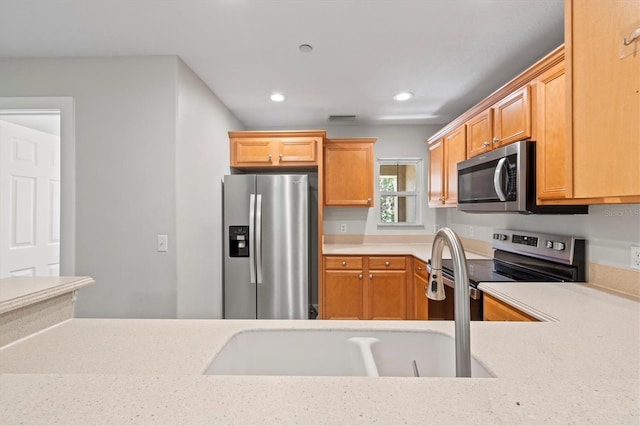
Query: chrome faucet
[{"x": 435, "y": 291}]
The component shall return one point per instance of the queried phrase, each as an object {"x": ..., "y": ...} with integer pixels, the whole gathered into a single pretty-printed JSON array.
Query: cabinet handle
[
  {"x": 632, "y": 37},
  {"x": 269, "y": 157},
  {"x": 486, "y": 143},
  {"x": 344, "y": 263},
  {"x": 370, "y": 276},
  {"x": 280, "y": 156},
  {"x": 360, "y": 276},
  {"x": 368, "y": 200},
  {"x": 387, "y": 263},
  {"x": 495, "y": 140},
  {"x": 419, "y": 268}
]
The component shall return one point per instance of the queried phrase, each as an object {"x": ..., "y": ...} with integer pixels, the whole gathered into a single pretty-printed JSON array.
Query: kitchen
[{"x": 145, "y": 87}]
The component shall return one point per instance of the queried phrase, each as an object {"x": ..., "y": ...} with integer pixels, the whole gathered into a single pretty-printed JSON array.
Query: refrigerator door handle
[
  {"x": 258, "y": 246},
  {"x": 252, "y": 245}
]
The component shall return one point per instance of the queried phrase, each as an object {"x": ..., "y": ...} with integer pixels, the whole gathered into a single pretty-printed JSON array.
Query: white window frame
[{"x": 417, "y": 193}]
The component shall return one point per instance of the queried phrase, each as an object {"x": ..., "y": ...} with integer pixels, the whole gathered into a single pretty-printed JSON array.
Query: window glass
[{"x": 398, "y": 188}]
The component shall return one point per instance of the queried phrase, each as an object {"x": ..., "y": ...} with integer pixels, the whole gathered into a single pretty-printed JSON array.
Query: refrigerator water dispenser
[{"x": 239, "y": 241}]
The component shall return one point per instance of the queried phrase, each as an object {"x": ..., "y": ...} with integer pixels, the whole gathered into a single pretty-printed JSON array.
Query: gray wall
[
  {"x": 202, "y": 159},
  {"x": 130, "y": 165}
]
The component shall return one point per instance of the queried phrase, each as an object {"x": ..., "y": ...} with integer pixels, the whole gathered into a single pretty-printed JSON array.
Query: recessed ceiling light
[
  {"x": 305, "y": 48},
  {"x": 403, "y": 96},
  {"x": 277, "y": 97}
]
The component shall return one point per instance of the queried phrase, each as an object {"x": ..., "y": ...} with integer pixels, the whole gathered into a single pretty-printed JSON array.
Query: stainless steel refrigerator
[{"x": 266, "y": 240}]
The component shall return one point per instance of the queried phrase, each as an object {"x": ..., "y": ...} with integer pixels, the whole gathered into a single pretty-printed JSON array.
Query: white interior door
[{"x": 29, "y": 202}]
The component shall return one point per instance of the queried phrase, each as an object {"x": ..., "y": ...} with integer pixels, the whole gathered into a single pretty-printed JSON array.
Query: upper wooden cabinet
[
  {"x": 480, "y": 133},
  {"x": 603, "y": 76},
  {"x": 553, "y": 170},
  {"x": 348, "y": 172},
  {"x": 275, "y": 149},
  {"x": 509, "y": 120},
  {"x": 512, "y": 118},
  {"x": 444, "y": 156}
]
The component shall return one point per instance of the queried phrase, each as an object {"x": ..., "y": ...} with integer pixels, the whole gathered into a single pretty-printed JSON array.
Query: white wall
[
  {"x": 127, "y": 166},
  {"x": 202, "y": 159}
]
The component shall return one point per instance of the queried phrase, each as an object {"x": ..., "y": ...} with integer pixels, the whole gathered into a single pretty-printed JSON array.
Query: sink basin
[{"x": 340, "y": 353}]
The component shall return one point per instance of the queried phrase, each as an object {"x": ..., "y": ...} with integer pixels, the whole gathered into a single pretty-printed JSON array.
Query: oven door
[
  {"x": 443, "y": 310},
  {"x": 495, "y": 181}
]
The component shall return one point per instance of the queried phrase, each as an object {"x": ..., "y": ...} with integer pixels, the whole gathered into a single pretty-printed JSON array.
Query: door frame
[{"x": 66, "y": 106}]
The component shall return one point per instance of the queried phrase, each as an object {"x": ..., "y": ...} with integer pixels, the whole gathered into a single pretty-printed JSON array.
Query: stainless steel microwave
[{"x": 503, "y": 180}]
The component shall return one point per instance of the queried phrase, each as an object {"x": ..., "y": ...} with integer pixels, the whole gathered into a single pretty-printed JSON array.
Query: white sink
[{"x": 340, "y": 353}]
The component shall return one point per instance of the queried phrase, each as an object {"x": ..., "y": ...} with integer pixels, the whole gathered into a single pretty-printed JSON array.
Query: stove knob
[
  {"x": 503, "y": 237},
  {"x": 558, "y": 246},
  {"x": 549, "y": 244},
  {"x": 496, "y": 236}
]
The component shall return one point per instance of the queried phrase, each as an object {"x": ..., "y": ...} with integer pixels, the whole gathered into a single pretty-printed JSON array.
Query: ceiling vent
[{"x": 342, "y": 118}]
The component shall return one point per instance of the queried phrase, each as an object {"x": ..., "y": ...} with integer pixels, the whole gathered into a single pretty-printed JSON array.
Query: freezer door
[
  {"x": 239, "y": 288},
  {"x": 283, "y": 245}
]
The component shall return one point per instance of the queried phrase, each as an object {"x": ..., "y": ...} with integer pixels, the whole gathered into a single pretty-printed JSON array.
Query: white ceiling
[{"x": 449, "y": 53}]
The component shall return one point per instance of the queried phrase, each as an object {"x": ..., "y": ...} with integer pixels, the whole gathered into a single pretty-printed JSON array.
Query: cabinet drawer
[
  {"x": 420, "y": 268},
  {"x": 387, "y": 262},
  {"x": 342, "y": 262}
]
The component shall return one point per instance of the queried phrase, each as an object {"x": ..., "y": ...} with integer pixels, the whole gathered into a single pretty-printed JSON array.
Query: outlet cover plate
[{"x": 635, "y": 257}]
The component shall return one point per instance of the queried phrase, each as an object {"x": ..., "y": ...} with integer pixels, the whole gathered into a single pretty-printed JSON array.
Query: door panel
[
  {"x": 284, "y": 290},
  {"x": 30, "y": 201},
  {"x": 239, "y": 290}
]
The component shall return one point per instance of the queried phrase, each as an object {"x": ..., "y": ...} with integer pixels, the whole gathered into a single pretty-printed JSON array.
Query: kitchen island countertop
[{"x": 582, "y": 369}]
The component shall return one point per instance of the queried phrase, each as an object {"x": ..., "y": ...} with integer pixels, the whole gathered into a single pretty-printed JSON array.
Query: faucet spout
[{"x": 435, "y": 291}]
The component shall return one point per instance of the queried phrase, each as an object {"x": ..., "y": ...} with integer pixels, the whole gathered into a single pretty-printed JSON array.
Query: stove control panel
[{"x": 558, "y": 248}]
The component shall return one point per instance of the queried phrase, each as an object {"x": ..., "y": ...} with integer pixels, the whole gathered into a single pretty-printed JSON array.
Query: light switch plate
[{"x": 163, "y": 242}]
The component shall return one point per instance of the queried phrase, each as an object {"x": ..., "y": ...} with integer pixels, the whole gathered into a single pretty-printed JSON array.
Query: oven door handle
[
  {"x": 497, "y": 179},
  {"x": 474, "y": 293}
]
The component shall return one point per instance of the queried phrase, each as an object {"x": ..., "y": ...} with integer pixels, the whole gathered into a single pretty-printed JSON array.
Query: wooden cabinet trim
[{"x": 530, "y": 74}]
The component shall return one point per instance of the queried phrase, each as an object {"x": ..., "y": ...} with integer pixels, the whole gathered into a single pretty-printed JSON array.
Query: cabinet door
[
  {"x": 348, "y": 173},
  {"x": 496, "y": 310},
  {"x": 553, "y": 168},
  {"x": 251, "y": 151},
  {"x": 512, "y": 117},
  {"x": 436, "y": 174},
  {"x": 297, "y": 151},
  {"x": 455, "y": 150},
  {"x": 343, "y": 295},
  {"x": 480, "y": 133},
  {"x": 420, "y": 301},
  {"x": 387, "y": 295},
  {"x": 605, "y": 91}
]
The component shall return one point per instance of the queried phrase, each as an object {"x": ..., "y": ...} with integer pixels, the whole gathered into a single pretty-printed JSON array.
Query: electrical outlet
[
  {"x": 163, "y": 243},
  {"x": 343, "y": 228},
  {"x": 635, "y": 257},
  {"x": 471, "y": 231},
  {"x": 436, "y": 228}
]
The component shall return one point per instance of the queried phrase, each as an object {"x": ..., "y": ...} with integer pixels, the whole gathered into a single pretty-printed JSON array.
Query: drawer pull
[
  {"x": 387, "y": 263},
  {"x": 344, "y": 263}
]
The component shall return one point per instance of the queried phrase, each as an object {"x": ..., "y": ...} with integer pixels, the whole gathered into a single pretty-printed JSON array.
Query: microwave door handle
[{"x": 497, "y": 178}]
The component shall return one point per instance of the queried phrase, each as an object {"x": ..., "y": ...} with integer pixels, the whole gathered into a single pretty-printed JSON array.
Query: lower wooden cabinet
[
  {"x": 420, "y": 301},
  {"x": 497, "y": 310},
  {"x": 365, "y": 287}
]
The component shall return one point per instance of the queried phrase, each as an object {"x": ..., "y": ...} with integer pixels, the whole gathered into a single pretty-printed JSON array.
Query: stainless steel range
[{"x": 519, "y": 256}]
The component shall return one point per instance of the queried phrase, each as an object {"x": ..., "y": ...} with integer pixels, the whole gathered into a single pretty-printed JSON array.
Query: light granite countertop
[
  {"x": 17, "y": 292},
  {"x": 421, "y": 251},
  {"x": 581, "y": 368}
]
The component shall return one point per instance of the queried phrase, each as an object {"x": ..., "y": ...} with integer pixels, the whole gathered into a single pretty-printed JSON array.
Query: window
[{"x": 398, "y": 189}]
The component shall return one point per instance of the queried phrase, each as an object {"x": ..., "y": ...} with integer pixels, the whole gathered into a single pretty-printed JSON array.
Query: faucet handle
[{"x": 435, "y": 288}]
